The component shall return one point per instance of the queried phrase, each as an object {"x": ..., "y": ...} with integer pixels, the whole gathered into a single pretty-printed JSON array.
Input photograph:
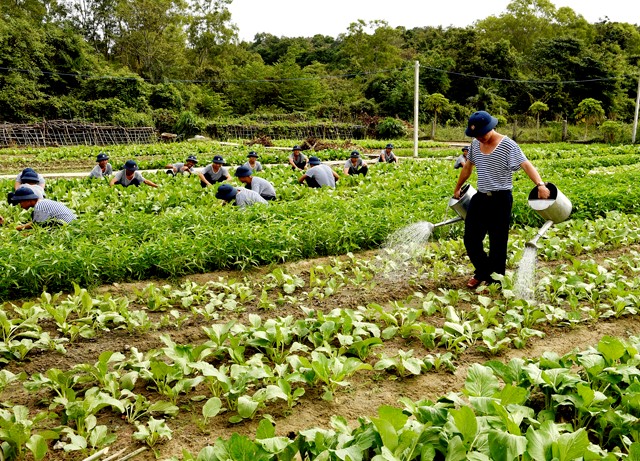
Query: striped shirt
[
  {"x": 495, "y": 170},
  {"x": 46, "y": 209}
]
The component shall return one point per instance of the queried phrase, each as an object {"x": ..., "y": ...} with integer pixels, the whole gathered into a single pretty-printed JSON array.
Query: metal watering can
[
  {"x": 459, "y": 205},
  {"x": 555, "y": 209}
]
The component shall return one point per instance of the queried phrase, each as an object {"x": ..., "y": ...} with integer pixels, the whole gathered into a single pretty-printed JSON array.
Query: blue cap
[
  {"x": 23, "y": 193},
  {"x": 389, "y": 146},
  {"x": 355, "y": 154},
  {"x": 252, "y": 154},
  {"x": 192, "y": 158},
  {"x": 130, "y": 165},
  {"x": 243, "y": 171},
  {"x": 226, "y": 192},
  {"x": 314, "y": 161},
  {"x": 102, "y": 156},
  {"x": 480, "y": 123},
  {"x": 29, "y": 176},
  {"x": 218, "y": 159},
  {"x": 296, "y": 147}
]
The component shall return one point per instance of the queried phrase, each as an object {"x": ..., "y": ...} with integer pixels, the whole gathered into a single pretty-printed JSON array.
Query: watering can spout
[
  {"x": 545, "y": 227},
  {"x": 448, "y": 221}
]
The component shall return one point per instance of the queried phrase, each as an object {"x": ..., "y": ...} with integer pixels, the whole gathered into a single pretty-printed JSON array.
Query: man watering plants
[{"x": 495, "y": 157}]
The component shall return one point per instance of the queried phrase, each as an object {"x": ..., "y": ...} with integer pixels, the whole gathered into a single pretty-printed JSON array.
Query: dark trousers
[
  {"x": 312, "y": 182},
  {"x": 354, "y": 171},
  {"x": 488, "y": 214}
]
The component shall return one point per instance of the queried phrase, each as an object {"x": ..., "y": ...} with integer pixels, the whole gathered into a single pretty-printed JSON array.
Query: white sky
[{"x": 304, "y": 18}]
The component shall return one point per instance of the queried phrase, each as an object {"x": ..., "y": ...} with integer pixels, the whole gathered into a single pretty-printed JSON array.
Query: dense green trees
[{"x": 148, "y": 61}]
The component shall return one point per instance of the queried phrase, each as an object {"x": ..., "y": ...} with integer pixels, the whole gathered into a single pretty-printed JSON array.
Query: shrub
[
  {"x": 165, "y": 96},
  {"x": 164, "y": 120},
  {"x": 130, "y": 118},
  {"x": 613, "y": 132},
  {"x": 391, "y": 128},
  {"x": 188, "y": 124}
]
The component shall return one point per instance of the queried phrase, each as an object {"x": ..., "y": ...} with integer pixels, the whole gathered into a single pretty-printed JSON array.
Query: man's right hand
[{"x": 456, "y": 193}]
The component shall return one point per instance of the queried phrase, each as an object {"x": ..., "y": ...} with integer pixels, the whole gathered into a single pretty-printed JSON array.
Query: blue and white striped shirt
[
  {"x": 46, "y": 209},
  {"x": 495, "y": 170}
]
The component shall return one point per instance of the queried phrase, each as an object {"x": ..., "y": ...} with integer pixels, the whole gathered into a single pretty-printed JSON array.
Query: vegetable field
[{"x": 160, "y": 320}]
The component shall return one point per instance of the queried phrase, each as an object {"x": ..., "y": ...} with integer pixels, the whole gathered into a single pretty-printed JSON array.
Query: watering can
[
  {"x": 555, "y": 209},
  {"x": 459, "y": 205}
]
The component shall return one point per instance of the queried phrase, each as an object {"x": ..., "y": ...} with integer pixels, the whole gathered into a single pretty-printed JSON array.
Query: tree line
[{"x": 172, "y": 62}]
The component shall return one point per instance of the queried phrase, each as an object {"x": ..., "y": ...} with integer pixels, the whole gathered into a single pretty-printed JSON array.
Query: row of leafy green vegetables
[
  {"x": 587, "y": 410},
  {"x": 581, "y": 404},
  {"x": 181, "y": 229},
  {"x": 567, "y": 293},
  {"x": 154, "y": 156},
  {"x": 461, "y": 329}
]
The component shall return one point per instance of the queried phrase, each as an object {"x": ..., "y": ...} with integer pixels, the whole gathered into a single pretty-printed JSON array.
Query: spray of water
[
  {"x": 403, "y": 251},
  {"x": 525, "y": 277}
]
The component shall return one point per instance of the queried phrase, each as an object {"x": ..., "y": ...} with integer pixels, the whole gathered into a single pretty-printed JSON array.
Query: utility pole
[
  {"x": 416, "y": 107},
  {"x": 635, "y": 117}
]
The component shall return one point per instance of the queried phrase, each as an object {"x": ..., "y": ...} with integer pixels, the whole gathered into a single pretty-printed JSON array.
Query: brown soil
[{"x": 368, "y": 390}]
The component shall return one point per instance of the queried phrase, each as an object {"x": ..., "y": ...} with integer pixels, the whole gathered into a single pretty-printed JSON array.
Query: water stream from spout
[
  {"x": 524, "y": 285},
  {"x": 403, "y": 250}
]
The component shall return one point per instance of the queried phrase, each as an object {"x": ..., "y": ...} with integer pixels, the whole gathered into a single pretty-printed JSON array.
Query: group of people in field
[
  {"x": 29, "y": 186},
  {"x": 494, "y": 156}
]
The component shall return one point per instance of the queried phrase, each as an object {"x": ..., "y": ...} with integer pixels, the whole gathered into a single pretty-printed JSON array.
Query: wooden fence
[{"x": 57, "y": 133}]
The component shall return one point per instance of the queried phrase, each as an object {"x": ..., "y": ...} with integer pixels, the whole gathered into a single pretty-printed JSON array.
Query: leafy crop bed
[{"x": 369, "y": 355}]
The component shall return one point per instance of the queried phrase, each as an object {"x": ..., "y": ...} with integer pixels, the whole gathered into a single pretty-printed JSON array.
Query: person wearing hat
[
  {"x": 253, "y": 162},
  {"x": 30, "y": 172},
  {"x": 130, "y": 176},
  {"x": 462, "y": 159},
  {"x": 297, "y": 159},
  {"x": 238, "y": 197},
  {"x": 214, "y": 172},
  {"x": 496, "y": 157},
  {"x": 31, "y": 180},
  {"x": 387, "y": 155},
  {"x": 263, "y": 187},
  {"x": 181, "y": 168},
  {"x": 319, "y": 175},
  {"x": 355, "y": 165},
  {"x": 45, "y": 212},
  {"x": 103, "y": 168}
]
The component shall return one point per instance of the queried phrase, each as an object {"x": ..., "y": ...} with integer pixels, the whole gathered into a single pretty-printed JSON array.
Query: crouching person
[
  {"x": 355, "y": 165},
  {"x": 263, "y": 187},
  {"x": 238, "y": 197},
  {"x": 182, "y": 168},
  {"x": 130, "y": 176},
  {"x": 45, "y": 212},
  {"x": 31, "y": 180},
  {"x": 319, "y": 175}
]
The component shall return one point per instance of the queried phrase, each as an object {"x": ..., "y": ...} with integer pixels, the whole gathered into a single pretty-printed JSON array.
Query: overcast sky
[{"x": 300, "y": 18}]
